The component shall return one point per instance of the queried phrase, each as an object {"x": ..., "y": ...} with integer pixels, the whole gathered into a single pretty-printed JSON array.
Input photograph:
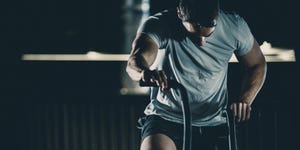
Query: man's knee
[{"x": 158, "y": 142}]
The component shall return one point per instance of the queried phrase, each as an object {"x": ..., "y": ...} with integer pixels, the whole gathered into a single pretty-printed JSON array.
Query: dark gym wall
[{"x": 35, "y": 97}]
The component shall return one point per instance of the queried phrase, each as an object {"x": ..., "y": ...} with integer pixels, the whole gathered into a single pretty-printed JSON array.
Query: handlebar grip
[
  {"x": 147, "y": 84},
  {"x": 187, "y": 117},
  {"x": 171, "y": 84}
]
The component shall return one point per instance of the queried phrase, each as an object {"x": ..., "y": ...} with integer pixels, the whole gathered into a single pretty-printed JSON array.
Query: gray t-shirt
[{"x": 202, "y": 70}]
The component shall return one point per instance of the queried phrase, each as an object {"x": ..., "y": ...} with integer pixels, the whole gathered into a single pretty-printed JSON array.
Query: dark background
[{"x": 76, "y": 105}]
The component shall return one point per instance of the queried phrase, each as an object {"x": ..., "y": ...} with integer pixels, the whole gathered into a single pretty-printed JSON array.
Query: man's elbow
[
  {"x": 259, "y": 64},
  {"x": 133, "y": 74},
  {"x": 262, "y": 65}
]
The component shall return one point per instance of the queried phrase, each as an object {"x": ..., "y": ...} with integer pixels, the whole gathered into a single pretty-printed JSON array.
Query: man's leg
[
  {"x": 158, "y": 142},
  {"x": 160, "y": 134}
]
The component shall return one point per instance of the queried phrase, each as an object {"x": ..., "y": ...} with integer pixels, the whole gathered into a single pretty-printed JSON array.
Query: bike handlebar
[{"x": 187, "y": 116}]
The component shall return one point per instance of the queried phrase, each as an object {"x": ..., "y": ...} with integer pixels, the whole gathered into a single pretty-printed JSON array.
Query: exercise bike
[{"x": 187, "y": 118}]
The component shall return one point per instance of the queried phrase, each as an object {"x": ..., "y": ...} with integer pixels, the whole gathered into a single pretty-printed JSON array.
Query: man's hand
[
  {"x": 155, "y": 76},
  {"x": 241, "y": 111}
]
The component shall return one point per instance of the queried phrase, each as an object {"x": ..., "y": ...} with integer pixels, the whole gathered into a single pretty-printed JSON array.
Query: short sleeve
[
  {"x": 156, "y": 29},
  {"x": 244, "y": 37}
]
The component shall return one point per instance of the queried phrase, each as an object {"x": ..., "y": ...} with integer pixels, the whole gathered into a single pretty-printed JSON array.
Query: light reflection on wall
[{"x": 272, "y": 54}]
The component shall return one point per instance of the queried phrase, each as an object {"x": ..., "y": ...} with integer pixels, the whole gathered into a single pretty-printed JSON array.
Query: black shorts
[{"x": 203, "y": 138}]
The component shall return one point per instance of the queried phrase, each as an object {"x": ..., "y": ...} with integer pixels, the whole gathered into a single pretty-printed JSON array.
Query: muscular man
[{"x": 193, "y": 45}]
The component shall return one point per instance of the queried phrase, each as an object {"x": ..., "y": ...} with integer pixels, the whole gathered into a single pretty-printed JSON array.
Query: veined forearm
[
  {"x": 252, "y": 82},
  {"x": 142, "y": 56}
]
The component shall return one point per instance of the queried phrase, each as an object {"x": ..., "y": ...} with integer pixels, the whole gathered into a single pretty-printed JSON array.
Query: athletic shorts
[{"x": 203, "y": 138}]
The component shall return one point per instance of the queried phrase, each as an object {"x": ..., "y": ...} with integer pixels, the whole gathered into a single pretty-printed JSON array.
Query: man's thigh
[
  {"x": 155, "y": 130},
  {"x": 158, "y": 142}
]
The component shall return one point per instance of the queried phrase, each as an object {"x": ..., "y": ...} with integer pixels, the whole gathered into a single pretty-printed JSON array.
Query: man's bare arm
[
  {"x": 256, "y": 68},
  {"x": 142, "y": 56},
  {"x": 255, "y": 75}
]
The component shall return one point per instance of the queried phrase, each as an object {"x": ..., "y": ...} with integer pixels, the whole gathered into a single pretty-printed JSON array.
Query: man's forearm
[
  {"x": 134, "y": 68},
  {"x": 252, "y": 82},
  {"x": 142, "y": 56}
]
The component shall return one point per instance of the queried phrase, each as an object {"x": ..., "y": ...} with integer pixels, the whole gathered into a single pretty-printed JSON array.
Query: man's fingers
[
  {"x": 157, "y": 77},
  {"x": 147, "y": 76},
  {"x": 244, "y": 111},
  {"x": 248, "y": 112},
  {"x": 239, "y": 111},
  {"x": 150, "y": 76},
  {"x": 164, "y": 81}
]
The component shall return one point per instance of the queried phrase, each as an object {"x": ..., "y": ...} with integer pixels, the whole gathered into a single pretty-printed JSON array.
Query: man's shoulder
[
  {"x": 230, "y": 18},
  {"x": 230, "y": 15}
]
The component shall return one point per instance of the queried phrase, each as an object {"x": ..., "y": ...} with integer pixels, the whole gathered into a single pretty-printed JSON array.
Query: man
[{"x": 192, "y": 46}]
